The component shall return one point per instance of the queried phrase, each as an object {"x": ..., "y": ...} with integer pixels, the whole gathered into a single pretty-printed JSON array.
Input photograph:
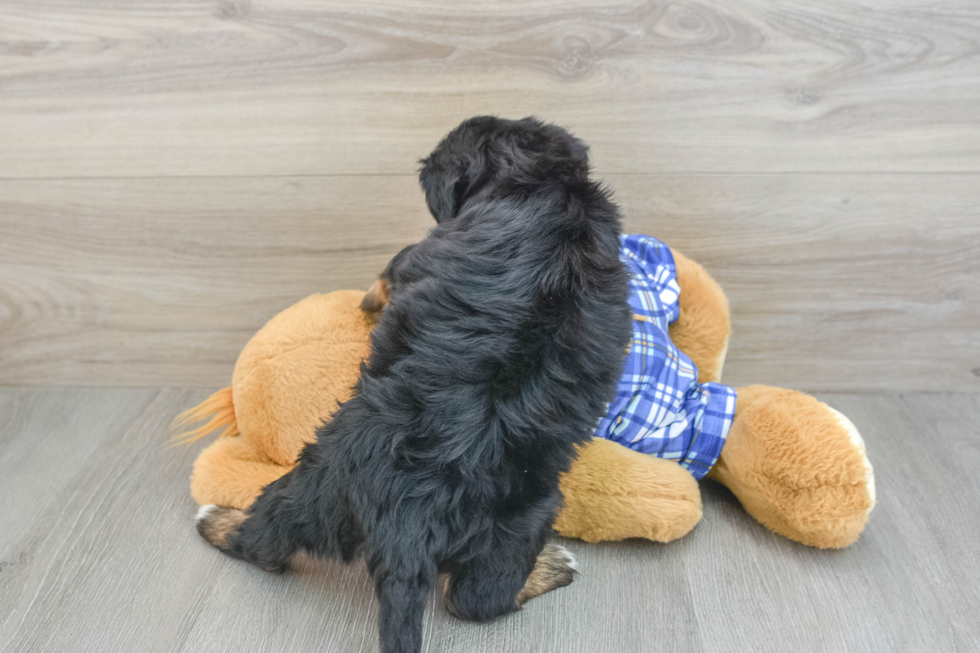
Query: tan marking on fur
[
  {"x": 377, "y": 297},
  {"x": 448, "y": 597},
  {"x": 551, "y": 570},
  {"x": 219, "y": 523}
]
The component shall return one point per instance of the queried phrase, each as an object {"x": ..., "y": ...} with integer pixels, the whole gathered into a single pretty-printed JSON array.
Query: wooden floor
[
  {"x": 173, "y": 174},
  {"x": 98, "y": 553}
]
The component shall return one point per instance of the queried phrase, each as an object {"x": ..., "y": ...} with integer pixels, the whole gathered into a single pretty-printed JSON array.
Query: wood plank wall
[{"x": 174, "y": 173}]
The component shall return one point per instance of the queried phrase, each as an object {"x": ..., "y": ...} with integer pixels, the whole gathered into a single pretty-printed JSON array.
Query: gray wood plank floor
[{"x": 98, "y": 553}]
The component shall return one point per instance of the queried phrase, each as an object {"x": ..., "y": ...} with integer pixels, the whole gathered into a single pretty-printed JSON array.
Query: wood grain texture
[
  {"x": 836, "y": 282},
  {"x": 234, "y": 87},
  {"x": 172, "y": 174},
  {"x": 98, "y": 554}
]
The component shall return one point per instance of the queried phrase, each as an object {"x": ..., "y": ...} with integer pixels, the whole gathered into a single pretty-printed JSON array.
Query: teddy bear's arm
[
  {"x": 614, "y": 493},
  {"x": 701, "y": 331}
]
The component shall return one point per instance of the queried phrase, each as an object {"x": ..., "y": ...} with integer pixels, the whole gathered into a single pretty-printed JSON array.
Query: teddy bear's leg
[
  {"x": 232, "y": 472},
  {"x": 798, "y": 466},
  {"x": 613, "y": 493},
  {"x": 701, "y": 330}
]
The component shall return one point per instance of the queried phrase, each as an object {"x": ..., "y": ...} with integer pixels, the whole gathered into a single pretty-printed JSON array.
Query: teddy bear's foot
[
  {"x": 231, "y": 472},
  {"x": 614, "y": 493},
  {"x": 798, "y": 466}
]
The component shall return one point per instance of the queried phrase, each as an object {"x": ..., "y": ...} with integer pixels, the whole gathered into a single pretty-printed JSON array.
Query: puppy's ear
[
  {"x": 377, "y": 297},
  {"x": 445, "y": 189}
]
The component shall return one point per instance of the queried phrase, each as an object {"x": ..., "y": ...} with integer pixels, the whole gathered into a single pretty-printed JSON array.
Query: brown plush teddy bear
[{"x": 796, "y": 464}]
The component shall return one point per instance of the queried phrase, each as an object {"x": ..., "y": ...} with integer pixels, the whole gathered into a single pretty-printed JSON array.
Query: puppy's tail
[
  {"x": 219, "y": 407},
  {"x": 402, "y": 605}
]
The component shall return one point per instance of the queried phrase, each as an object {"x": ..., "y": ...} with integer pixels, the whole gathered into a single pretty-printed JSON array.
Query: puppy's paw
[
  {"x": 554, "y": 568},
  {"x": 217, "y": 524},
  {"x": 570, "y": 560},
  {"x": 203, "y": 511}
]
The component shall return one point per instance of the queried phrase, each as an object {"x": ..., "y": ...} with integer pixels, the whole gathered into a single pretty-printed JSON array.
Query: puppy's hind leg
[
  {"x": 507, "y": 577},
  {"x": 217, "y": 524},
  {"x": 554, "y": 568},
  {"x": 266, "y": 535}
]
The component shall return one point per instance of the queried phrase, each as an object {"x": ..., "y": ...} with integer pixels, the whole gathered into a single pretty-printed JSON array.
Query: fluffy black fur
[{"x": 502, "y": 343}]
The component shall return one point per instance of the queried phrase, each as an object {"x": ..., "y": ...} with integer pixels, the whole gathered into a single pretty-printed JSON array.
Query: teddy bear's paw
[
  {"x": 613, "y": 493},
  {"x": 798, "y": 466}
]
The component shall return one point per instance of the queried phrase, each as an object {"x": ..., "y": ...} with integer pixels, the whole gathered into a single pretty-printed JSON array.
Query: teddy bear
[{"x": 798, "y": 466}]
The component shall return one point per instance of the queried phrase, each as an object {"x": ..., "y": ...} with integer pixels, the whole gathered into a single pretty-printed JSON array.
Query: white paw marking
[
  {"x": 569, "y": 558},
  {"x": 203, "y": 511},
  {"x": 858, "y": 441}
]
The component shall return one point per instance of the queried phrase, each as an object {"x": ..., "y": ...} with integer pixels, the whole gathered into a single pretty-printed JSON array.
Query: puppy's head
[{"x": 486, "y": 149}]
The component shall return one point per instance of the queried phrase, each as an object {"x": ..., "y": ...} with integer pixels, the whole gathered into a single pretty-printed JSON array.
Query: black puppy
[{"x": 498, "y": 352}]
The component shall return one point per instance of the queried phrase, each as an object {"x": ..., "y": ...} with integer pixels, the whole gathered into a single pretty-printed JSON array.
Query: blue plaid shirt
[{"x": 660, "y": 408}]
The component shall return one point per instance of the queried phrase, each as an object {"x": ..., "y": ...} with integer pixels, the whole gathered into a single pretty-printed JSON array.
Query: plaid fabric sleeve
[{"x": 659, "y": 407}]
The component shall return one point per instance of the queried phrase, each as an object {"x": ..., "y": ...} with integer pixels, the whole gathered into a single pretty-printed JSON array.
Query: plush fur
[
  {"x": 295, "y": 372},
  {"x": 503, "y": 341},
  {"x": 615, "y": 493},
  {"x": 797, "y": 467},
  {"x": 702, "y": 328}
]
